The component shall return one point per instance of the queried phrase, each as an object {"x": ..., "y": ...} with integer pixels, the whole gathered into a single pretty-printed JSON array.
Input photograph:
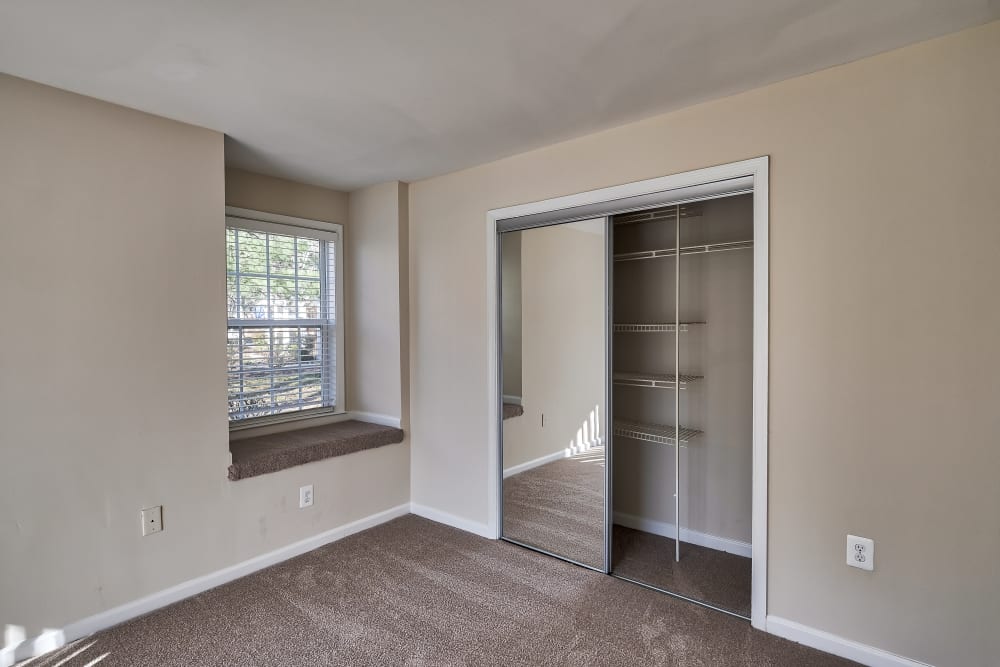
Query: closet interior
[{"x": 682, "y": 374}]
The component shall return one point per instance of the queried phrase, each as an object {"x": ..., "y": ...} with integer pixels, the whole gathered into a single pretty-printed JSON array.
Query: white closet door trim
[
  {"x": 758, "y": 582},
  {"x": 757, "y": 168},
  {"x": 703, "y": 183},
  {"x": 668, "y": 197}
]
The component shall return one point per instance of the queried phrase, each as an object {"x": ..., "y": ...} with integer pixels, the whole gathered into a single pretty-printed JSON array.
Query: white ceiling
[{"x": 349, "y": 93}]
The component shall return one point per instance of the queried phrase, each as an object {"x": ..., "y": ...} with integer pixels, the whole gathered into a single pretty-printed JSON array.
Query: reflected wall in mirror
[{"x": 554, "y": 369}]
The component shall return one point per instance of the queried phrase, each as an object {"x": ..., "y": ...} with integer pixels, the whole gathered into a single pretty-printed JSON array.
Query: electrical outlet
[
  {"x": 861, "y": 552},
  {"x": 305, "y": 496},
  {"x": 152, "y": 520}
]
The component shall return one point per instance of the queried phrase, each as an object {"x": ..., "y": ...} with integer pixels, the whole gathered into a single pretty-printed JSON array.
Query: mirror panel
[{"x": 554, "y": 375}]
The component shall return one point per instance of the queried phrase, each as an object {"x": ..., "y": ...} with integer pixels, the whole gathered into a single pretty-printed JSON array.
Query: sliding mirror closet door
[
  {"x": 683, "y": 398},
  {"x": 554, "y": 383}
]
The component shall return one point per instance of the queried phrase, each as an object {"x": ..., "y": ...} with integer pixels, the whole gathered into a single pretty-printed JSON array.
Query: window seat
[
  {"x": 269, "y": 453},
  {"x": 511, "y": 410}
]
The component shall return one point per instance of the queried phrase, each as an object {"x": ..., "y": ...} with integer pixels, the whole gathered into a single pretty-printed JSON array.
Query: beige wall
[
  {"x": 403, "y": 250},
  {"x": 112, "y": 367},
  {"x": 276, "y": 195},
  {"x": 884, "y": 245},
  {"x": 562, "y": 326},
  {"x": 510, "y": 311},
  {"x": 374, "y": 325}
]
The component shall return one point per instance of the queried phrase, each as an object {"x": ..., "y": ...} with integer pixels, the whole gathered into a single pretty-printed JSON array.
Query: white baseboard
[
  {"x": 534, "y": 463},
  {"x": 375, "y": 418},
  {"x": 516, "y": 400},
  {"x": 549, "y": 458},
  {"x": 468, "y": 525},
  {"x": 687, "y": 535},
  {"x": 830, "y": 643},
  {"x": 585, "y": 447},
  {"x": 54, "y": 639}
]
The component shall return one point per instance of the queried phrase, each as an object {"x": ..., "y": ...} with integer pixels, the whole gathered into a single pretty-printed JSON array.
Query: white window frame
[{"x": 261, "y": 221}]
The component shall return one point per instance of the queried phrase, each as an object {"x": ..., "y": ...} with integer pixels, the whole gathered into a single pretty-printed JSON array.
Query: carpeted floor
[
  {"x": 716, "y": 577},
  {"x": 413, "y": 592},
  {"x": 559, "y": 507}
]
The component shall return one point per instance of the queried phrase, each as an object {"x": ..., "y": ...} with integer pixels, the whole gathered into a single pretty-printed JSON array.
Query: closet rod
[
  {"x": 655, "y": 380},
  {"x": 685, "y": 250},
  {"x": 688, "y": 213}
]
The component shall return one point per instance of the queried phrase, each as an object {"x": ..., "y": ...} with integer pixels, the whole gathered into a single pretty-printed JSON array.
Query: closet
[
  {"x": 631, "y": 339},
  {"x": 682, "y": 370}
]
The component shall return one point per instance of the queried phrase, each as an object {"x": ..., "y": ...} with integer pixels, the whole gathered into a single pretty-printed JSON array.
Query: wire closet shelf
[
  {"x": 652, "y": 327},
  {"x": 685, "y": 250},
  {"x": 663, "y": 434},
  {"x": 655, "y": 380}
]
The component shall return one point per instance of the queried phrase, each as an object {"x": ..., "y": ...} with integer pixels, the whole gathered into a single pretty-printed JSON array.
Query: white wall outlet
[
  {"x": 152, "y": 520},
  {"x": 305, "y": 496},
  {"x": 861, "y": 552}
]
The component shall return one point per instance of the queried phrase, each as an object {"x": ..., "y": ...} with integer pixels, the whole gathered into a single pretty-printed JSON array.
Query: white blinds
[{"x": 281, "y": 287}]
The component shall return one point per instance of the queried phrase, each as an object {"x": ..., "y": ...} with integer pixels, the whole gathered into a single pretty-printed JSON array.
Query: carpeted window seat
[
  {"x": 269, "y": 453},
  {"x": 511, "y": 410}
]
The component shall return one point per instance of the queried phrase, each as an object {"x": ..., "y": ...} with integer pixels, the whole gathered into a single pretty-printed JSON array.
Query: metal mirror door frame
[{"x": 607, "y": 443}]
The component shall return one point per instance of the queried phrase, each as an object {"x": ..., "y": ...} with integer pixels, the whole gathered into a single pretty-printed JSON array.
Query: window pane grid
[
  {"x": 282, "y": 333},
  {"x": 295, "y": 265}
]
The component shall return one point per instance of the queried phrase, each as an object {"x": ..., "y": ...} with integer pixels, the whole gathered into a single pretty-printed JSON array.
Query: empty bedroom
[{"x": 644, "y": 332}]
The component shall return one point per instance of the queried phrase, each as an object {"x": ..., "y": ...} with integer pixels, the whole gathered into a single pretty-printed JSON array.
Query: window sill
[
  {"x": 292, "y": 421},
  {"x": 264, "y": 454}
]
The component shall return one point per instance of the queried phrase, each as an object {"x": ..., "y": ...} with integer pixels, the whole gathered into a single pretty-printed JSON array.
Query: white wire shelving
[
  {"x": 651, "y": 327},
  {"x": 662, "y": 434},
  {"x": 668, "y": 214},
  {"x": 685, "y": 250},
  {"x": 654, "y": 380}
]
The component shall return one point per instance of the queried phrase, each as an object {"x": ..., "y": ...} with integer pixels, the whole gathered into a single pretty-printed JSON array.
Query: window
[{"x": 284, "y": 339}]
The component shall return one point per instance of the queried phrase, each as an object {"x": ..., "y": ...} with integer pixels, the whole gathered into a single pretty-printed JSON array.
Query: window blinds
[{"x": 281, "y": 351}]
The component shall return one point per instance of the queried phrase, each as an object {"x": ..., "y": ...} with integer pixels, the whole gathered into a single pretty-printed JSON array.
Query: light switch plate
[
  {"x": 861, "y": 552},
  {"x": 152, "y": 520}
]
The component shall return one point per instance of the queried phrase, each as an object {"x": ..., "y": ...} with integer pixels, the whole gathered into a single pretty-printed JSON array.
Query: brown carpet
[
  {"x": 511, "y": 410},
  {"x": 413, "y": 592},
  {"x": 559, "y": 507},
  {"x": 277, "y": 451},
  {"x": 716, "y": 577}
]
